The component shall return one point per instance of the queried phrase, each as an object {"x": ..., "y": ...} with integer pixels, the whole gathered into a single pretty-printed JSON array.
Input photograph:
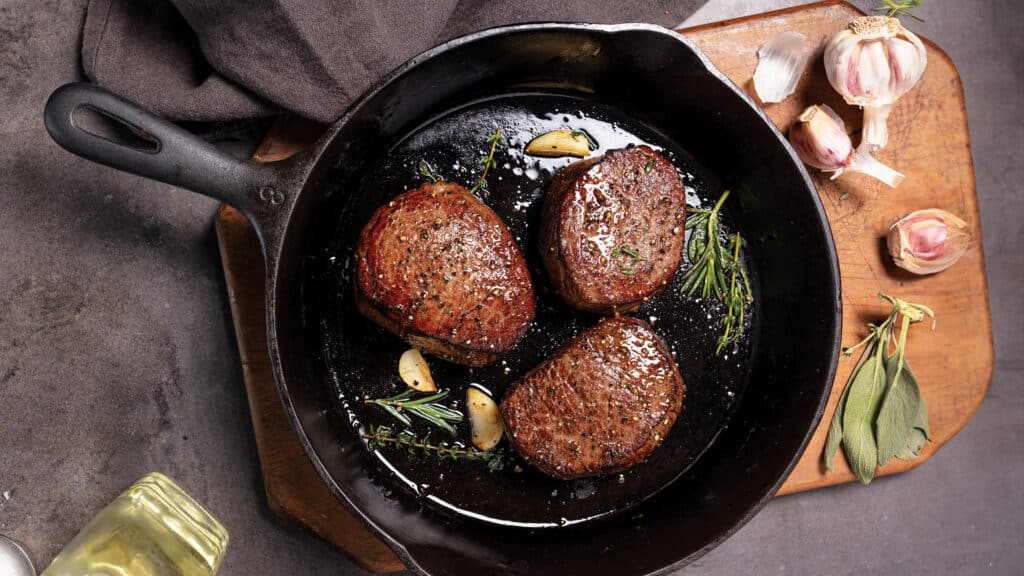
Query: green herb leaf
[
  {"x": 716, "y": 269},
  {"x": 896, "y": 8},
  {"x": 426, "y": 408},
  {"x": 859, "y": 414},
  {"x": 697, "y": 243},
  {"x": 427, "y": 171},
  {"x": 844, "y": 195},
  {"x": 898, "y": 413},
  {"x": 493, "y": 139},
  {"x": 835, "y": 431},
  {"x": 633, "y": 253},
  {"x": 575, "y": 134},
  {"x": 380, "y": 436},
  {"x": 627, "y": 271},
  {"x": 914, "y": 446},
  {"x": 881, "y": 413},
  {"x": 649, "y": 166}
]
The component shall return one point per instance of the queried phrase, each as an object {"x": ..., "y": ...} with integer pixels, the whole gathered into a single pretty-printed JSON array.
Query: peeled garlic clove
[
  {"x": 559, "y": 143},
  {"x": 820, "y": 139},
  {"x": 872, "y": 63},
  {"x": 780, "y": 64},
  {"x": 413, "y": 369},
  {"x": 928, "y": 241},
  {"x": 484, "y": 418}
]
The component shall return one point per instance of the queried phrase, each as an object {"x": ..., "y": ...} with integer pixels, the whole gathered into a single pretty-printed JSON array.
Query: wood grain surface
[{"x": 929, "y": 143}]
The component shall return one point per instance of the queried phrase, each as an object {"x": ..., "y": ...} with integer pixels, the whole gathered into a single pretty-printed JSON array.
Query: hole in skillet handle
[{"x": 115, "y": 130}]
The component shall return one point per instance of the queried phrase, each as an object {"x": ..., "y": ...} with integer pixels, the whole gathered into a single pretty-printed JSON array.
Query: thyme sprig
[
  {"x": 379, "y": 436},
  {"x": 425, "y": 407},
  {"x": 716, "y": 270},
  {"x": 895, "y": 9},
  {"x": 488, "y": 162}
]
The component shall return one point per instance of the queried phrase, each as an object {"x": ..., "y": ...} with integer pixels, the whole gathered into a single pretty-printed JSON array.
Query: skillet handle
[{"x": 150, "y": 146}]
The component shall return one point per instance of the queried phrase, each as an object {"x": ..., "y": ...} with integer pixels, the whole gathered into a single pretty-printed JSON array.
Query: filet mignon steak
[
  {"x": 438, "y": 268},
  {"x": 612, "y": 229},
  {"x": 600, "y": 405}
]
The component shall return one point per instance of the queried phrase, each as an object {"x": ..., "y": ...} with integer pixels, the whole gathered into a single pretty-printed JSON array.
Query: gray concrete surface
[{"x": 117, "y": 355}]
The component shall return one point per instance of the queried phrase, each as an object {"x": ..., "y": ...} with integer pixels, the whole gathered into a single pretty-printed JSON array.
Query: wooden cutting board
[{"x": 929, "y": 143}]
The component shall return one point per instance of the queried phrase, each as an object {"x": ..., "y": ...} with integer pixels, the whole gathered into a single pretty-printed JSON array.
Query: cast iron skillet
[{"x": 666, "y": 92}]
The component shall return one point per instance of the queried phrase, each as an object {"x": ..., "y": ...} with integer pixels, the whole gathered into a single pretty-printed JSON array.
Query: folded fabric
[{"x": 205, "y": 60}]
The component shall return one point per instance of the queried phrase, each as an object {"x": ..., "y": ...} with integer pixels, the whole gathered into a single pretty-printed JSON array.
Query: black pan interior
[
  {"x": 655, "y": 86},
  {"x": 361, "y": 358}
]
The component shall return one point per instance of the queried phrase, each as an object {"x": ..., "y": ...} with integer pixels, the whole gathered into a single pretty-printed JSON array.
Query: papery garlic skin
[
  {"x": 872, "y": 63},
  {"x": 928, "y": 241},
  {"x": 820, "y": 139},
  {"x": 781, "y": 62}
]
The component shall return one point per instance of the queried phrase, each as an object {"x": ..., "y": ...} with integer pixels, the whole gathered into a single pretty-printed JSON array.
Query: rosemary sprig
[
  {"x": 427, "y": 171},
  {"x": 895, "y": 9},
  {"x": 736, "y": 299},
  {"x": 881, "y": 413},
  {"x": 426, "y": 407},
  {"x": 379, "y": 436},
  {"x": 715, "y": 269},
  {"x": 488, "y": 162}
]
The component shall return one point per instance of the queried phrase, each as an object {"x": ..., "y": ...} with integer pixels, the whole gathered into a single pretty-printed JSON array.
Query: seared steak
[
  {"x": 600, "y": 405},
  {"x": 437, "y": 267},
  {"x": 612, "y": 229}
]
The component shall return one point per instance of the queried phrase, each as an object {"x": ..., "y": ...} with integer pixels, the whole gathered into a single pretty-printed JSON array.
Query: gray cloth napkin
[{"x": 205, "y": 60}]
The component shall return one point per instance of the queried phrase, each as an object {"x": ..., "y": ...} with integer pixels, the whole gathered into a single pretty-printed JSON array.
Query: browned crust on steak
[
  {"x": 600, "y": 405},
  {"x": 595, "y": 207},
  {"x": 438, "y": 268}
]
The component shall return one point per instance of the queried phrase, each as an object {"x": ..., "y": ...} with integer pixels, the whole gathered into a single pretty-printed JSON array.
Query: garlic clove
[
  {"x": 559, "y": 143},
  {"x": 414, "y": 371},
  {"x": 484, "y": 418},
  {"x": 928, "y": 241},
  {"x": 820, "y": 139},
  {"x": 872, "y": 63},
  {"x": 781, "y": 62}
]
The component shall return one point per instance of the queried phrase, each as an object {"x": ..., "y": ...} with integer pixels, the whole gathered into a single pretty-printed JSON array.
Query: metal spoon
[{"x": 13, "y": 559}]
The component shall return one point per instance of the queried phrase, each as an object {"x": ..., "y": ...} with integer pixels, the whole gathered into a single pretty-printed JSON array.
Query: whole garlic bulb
[
  {"x": 872, "y": 63},
  {"x": 928, "y": 241},
  {"x": 820, "y": 139}
]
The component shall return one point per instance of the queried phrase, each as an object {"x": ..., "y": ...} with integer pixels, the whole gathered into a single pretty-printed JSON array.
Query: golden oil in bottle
[{"x": 153, "y": 529}]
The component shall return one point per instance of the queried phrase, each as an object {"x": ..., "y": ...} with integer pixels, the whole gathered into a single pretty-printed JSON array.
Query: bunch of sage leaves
[{"x": 881, "y": 413}]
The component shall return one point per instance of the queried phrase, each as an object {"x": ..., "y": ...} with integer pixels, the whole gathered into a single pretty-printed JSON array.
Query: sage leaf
[
  {"x": 914, "y": 446},
  {"x": 835, "y": 431},
  {"x": 897, "y": 416},
  {"x": 921, "y": 418},
  {"x": 866, "y": 391},
  {"x": 921, "y": 433}
]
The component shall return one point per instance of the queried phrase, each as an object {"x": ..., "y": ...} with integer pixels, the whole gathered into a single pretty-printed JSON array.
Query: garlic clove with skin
[
  {"x": 928, "y": 241},
  {"x": 820, "y": 139},
  {"x": 872, "y": 63}
]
